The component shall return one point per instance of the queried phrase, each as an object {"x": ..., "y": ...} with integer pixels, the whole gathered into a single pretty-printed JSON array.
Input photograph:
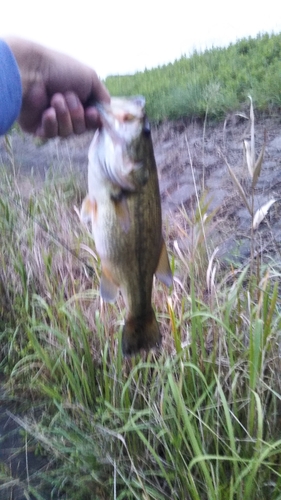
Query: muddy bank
[{"x": 190, "y": 161}]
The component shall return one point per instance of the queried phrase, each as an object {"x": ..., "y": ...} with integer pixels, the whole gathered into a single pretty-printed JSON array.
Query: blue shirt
[{"x": 10, "y": 88}]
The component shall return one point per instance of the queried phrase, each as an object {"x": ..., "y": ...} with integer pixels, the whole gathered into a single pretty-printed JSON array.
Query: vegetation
[
  {"x": 198, "y": 420},
  {"x": 218, "y": 80}
]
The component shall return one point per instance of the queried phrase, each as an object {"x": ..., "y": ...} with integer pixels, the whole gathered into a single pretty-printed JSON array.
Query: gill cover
[{"x": 116, "y": 146}]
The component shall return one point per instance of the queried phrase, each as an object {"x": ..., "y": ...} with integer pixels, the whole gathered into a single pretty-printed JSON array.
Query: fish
[{"x": 124, "y": 207}]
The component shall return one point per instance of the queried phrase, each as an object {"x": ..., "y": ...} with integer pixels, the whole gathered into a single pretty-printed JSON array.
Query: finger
[
  {"x": 59, "y": 104},
  {"x": 76, "y": 112},
  {"x": 92, "y": 118},
  {"x": 99, "y": 91},
  {"x": 49, "y": 125}
]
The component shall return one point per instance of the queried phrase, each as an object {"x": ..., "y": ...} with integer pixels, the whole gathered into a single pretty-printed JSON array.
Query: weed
[{"x": 197, "y": 420}]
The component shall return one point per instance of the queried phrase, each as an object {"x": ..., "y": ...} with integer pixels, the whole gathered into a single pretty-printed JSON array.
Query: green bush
[{"x": 251, "y": 66}]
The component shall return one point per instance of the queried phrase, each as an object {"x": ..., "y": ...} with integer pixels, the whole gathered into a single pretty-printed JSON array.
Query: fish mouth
[
  {"x": 121, "y": 110},
  {"x": 123, "y": 102},
  {"x": 124, "y": 119}
]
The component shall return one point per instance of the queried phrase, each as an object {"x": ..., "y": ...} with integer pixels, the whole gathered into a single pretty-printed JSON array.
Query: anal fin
[
  {"x": 108, "y": 289},
  {"x": 163, "y": 271}
]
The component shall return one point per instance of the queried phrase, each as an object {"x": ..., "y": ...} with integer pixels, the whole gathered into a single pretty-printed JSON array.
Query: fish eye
[
  {"x": 146, "y": 127},
  {"x": 128, "y": 117}
]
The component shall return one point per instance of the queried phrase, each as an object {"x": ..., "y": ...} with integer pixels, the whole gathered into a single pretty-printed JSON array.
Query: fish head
[
  {"x": 121, "y": 153},
  {"x": 123, "y": 118}
]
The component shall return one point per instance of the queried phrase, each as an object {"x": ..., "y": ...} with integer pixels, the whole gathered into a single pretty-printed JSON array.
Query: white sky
[{"x": 122, "y": 36}]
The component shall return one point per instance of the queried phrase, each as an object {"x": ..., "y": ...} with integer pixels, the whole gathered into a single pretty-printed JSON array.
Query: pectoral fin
[
  {"x": 121, "y": 210},
  {"x": 108, "y": 289},
  {"x": 88, "y": 210},
  {"x": 163, "y": 271},
  {"x": 140, "y": 175}
]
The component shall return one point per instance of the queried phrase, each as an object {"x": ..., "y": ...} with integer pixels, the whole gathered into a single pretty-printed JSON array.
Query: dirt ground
[{"x": 190, "y": 162}]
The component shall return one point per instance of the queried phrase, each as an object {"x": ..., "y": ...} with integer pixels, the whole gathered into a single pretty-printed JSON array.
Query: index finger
[{"x": 99, "y": 92}]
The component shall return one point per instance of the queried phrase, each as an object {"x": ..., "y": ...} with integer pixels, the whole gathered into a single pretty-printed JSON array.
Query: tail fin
[{"x": 140, "y": 333}]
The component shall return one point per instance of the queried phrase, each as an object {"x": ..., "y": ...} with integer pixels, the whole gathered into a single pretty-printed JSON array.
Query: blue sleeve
[{"x": 10, "y": 88}]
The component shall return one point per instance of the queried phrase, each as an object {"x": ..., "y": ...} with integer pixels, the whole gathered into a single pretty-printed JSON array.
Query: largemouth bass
[{"x": 124, "y": 206}]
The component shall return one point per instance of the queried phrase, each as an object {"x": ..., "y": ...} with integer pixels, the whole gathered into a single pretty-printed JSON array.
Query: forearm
[{"x": 10, "y": 88}]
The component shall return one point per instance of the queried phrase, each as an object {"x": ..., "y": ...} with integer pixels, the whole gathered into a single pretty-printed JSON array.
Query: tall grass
[
  {"x": 198, "y": 419},
  {"x": 219, "y": 80}
]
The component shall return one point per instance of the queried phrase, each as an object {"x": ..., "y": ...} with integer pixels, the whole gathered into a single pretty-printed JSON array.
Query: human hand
[{"x": 58, "y": 92}]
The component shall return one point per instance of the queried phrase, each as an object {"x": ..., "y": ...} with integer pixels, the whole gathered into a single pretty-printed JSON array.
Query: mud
[
  {"x": 190, "y": 159},
  {"x": 18, "y": 458}
]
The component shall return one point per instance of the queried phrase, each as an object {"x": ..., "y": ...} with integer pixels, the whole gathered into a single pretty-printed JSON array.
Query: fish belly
[{"x": 129, "y": 260}]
